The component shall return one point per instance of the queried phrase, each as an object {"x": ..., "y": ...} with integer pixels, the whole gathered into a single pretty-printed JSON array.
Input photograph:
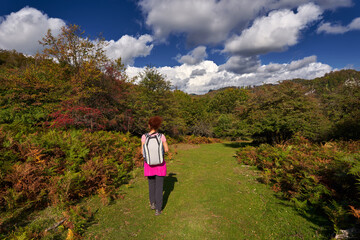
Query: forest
[{"x": 70, "y": 122}]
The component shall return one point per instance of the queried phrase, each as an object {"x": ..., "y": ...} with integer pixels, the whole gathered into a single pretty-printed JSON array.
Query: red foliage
[
  {"x": 112, "y": 71},
  {"x": 126, "y": 120},
  {"x": 79, "y": 117}
]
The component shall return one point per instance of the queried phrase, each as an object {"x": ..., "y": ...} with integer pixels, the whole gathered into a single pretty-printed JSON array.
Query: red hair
[{"x": 155, "y": 122}]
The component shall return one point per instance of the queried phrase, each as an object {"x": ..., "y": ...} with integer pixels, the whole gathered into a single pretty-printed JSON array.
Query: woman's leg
[
  {"x": 159, "y": 192},
  {"x": 152, "y": 188}
]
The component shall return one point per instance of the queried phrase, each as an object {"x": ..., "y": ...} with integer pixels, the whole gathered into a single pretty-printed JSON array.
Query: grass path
[{"x": 207, "y": 196}]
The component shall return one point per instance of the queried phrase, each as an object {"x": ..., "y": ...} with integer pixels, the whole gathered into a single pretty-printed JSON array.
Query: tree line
[{"x": 72, "y": 84}]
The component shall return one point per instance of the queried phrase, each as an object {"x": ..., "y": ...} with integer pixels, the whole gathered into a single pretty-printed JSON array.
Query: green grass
[{"x": 207, "y": 195}]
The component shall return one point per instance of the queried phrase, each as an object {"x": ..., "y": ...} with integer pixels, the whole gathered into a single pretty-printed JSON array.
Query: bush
[
  {"x": 321, "y": 176},
  {"x": 60, "y": 167}
]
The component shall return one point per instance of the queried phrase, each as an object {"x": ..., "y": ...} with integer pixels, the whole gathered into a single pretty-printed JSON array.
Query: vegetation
[
  {"x": 320, "y": 177},
  {"x": 70, "y": 122}
]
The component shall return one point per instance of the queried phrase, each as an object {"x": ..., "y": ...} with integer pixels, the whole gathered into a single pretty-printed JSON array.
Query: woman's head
[{"x": 155, "y": 122}]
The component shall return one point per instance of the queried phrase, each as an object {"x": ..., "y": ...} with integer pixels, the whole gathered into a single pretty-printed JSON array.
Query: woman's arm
[
  {"x": 142, "y": 148},
  {"x": 166, "y": 147}
]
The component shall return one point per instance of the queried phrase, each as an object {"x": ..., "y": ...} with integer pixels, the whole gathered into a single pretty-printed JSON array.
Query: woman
[{"x": 155, "y": 173}]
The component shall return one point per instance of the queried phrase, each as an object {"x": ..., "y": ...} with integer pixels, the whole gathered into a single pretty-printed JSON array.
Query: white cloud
[
  {"x": 329, "y": 28},
  {"x": 306, "y": 68},
  {"x": 239, "y": 64},
  {"x": 206, "y": 75},
  {"x": 275, "y": 32},
  {"x": 194, "y": 57},
  {"x": 22, "y": 30},
  {"x": 355, "y": 24},
  {"x": 339, "y": 29},
  {"x": 128, "y": 48},
  {"x": 295, "y": 65},
  {"x": 204, "y": 21},
  {"x": 212, "y": 21}
]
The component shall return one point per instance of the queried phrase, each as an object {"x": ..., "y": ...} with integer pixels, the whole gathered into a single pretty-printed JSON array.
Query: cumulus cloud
[
  {"x": 198, "y": 72},
  {"x": 355, "y": 24},
  {"x": 239, "y": 64},
  {"x": 194, "y": 57},
  {"x": 22, "y": 30},
  {"x": 207, "y": 75},
  {"x": 306, "y": 68},
  {"x": 275, "y": 32},
  {"x": 212, "y": 21},
  {"x": 339, "y": 29},
  {"x": 184, "y": 77},
  {"x": 295, "y": 65},
  {"x": 204, "y": 21},
  {"x": 129, "y": 48}
]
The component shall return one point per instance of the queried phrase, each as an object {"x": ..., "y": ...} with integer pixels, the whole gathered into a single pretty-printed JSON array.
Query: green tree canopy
[{"x": 277, "y": 112}]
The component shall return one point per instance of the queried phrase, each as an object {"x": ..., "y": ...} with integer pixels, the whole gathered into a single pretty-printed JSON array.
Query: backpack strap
[{"x": 145, "y": 152}]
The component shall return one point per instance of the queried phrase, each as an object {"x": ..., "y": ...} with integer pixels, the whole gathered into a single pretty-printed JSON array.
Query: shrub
[
  {"x": 321, "y": 176},
  {"x": 60, "y": 167}
]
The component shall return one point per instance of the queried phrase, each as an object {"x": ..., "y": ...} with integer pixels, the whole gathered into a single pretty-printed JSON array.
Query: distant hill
[
  {"x": 332, "y": 81},
  {"x": 328, "y": 83}
]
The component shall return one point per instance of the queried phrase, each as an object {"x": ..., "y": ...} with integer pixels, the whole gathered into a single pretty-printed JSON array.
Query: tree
[
  {"x": 339, "y": 93},
  {"x": 225, "y": 101},
  {"x": 152, "y": 96},
  {"x": 202, "y": 120},
  {"x": 347, "y": 116},
  {"x": 153, "y": 83},
  {"x": 222, "y": 106},
  {"x": 276, "y": 112},
  {"x": 98, "y": 84},
  {"x": 71, "y": 47}
]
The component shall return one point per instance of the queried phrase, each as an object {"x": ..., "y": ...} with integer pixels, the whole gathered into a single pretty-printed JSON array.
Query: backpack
[{"x": 153, "y": 149}]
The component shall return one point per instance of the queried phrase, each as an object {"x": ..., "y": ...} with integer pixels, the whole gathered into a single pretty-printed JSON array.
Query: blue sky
[{"x": 200, "y": 45}]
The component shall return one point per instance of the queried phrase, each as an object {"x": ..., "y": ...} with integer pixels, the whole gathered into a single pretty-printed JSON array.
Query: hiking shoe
[
  {"x": 157, "y": 213},
  {"x": 152, "y": 206}
]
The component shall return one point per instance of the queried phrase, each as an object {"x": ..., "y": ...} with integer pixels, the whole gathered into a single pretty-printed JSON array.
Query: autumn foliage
[
  {"x": 70, "y": 122},
  {"x": 320, "y": 176}
]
